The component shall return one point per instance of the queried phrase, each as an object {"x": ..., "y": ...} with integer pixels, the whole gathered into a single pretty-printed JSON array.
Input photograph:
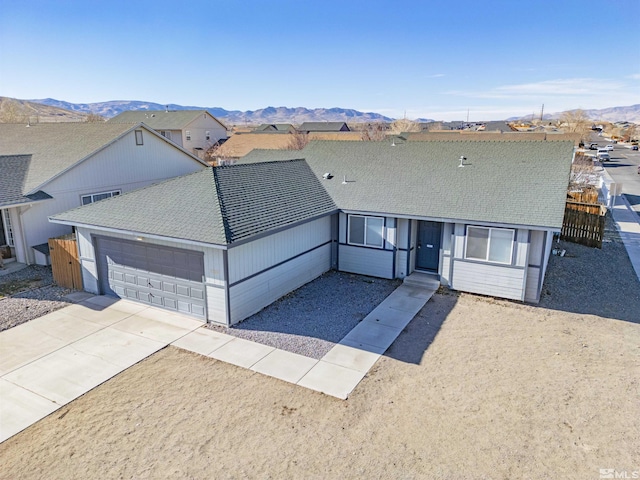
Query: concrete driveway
[{"x": 50, "y": 361}]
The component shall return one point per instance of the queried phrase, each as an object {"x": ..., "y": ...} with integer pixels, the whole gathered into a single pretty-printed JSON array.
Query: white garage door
[{"x": 164, "y": 277}]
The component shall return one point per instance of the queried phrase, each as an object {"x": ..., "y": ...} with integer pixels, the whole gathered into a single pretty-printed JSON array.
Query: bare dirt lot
[{"x": 503, "y": 391}]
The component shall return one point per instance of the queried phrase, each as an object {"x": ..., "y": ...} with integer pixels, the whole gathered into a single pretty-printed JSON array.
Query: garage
[{"x": 164, "y": 277}]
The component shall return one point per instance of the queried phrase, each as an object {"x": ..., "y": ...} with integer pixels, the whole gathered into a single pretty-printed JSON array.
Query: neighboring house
[
  {"x": 48, "y": 168},
  {"x": 193, "y": 130},
  {"x": 308, "y": 127},
  {"x": 275, "y": 127},
  {"x": 239, "y": 144},
  {"x": 476, "y": 136},
  {"x": 234, "y": 239}
]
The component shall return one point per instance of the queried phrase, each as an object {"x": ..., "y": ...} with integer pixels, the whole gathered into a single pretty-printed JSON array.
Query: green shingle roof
[
  {"x": 161, "y": 119},
  {"x": 219, "y": 206},
  {"x": 521, "y": 183},
  {"x": 14, "y": 170},
  {"x": 53, "y": 147}
]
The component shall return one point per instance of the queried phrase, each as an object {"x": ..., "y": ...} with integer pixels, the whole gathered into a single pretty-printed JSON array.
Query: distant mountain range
[
  {"x": 49, "y": 109},
  {"x": 611, "y": 114},
  {"x": 230, "y": 117}
]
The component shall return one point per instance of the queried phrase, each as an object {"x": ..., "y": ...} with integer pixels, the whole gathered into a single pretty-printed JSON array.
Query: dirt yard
[{"x": 504, "y": 391}]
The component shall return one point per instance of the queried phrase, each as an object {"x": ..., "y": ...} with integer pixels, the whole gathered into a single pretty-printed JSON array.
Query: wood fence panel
[
  {"x": 582, "y": 227},
  {"x": 65, "y": 263}
]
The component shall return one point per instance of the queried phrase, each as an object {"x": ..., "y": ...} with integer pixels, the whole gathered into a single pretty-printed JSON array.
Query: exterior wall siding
[
  {"x": 198, "y": 129},
  {"x": 255, "y": 293},
  {"x": 366, "y": 261},
  {"x": 488, "y": 279},
  {"x": 262, "y": 271}
]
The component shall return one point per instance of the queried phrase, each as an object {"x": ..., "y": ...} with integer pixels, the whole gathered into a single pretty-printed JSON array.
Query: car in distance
[
  {"x": 609, "y": 148},
  {"x": 634, "y": 147},
  {"x": 593, "y": 146},
  {"x": 603, "y": 157}
]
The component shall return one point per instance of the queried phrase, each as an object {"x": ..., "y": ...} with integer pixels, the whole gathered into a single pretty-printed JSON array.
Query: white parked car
[{"x": 609, "y": 148}]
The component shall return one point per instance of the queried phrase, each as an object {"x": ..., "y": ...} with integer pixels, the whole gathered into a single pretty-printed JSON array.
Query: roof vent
[
  {"x": 327, "y": 176},
  {"x": 462, "y": 159}
]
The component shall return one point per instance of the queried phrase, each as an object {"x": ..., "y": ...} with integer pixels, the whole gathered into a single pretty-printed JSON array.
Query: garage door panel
[
  {"x": 197, "y": 293},
  {"x": 161, "y": 276}
]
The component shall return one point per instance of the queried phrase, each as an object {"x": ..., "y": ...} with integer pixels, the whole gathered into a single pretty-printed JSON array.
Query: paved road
[{"x": 623, "y": 168}]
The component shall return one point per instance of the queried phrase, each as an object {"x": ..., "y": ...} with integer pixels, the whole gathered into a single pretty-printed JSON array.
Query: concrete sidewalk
[{"x": 627, "y": 221}]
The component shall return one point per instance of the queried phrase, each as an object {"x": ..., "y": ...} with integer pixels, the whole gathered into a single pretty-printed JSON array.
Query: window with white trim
[
  {"x": 8, "y": 229},
  {"x": 166, "y": 134},
  {"x": 139, "y": 137},
  {"x": 207, "y": 135},
  {"x": 489, "y": 244},
  {"x": 188, "y": 135},
  {"x": 94, "y": 197},
  {"x": 366, "y": 231}
]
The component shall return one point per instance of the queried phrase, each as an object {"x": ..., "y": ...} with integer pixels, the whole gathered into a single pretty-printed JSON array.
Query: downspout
[{"x": 23, "y": 235}]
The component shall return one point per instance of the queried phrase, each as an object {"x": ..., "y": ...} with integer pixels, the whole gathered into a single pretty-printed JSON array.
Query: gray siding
[
  {"x": 264, "y": 270},
  {"x": 366, "y": 261},
  {"x": 488, "y": 279}
]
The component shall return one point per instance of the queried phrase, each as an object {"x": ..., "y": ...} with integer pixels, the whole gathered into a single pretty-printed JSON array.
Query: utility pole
[{"x": 542, "y": 112}]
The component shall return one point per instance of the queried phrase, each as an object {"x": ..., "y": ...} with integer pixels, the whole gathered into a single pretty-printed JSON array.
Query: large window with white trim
[
  {"x": 489, "y": 244},
  {"x": 366, "y": 231},
  {"x": 8, "y": 229},
  {"x": 94, "y": 197}
]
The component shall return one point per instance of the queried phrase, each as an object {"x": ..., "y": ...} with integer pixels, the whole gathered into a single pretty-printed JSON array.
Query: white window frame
[
  {"x": 166, "y": 134},
  {"x": 366, "y": 221},
  {"x": 187, "y": 135},
  {"x": 8, "y": 228},
  {"x": 111, "y": 193},
  {"x": 207, "y": 135},
  {"x": 486, "y": 257}
]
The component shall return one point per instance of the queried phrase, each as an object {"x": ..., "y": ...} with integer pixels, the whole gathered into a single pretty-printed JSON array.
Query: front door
[{"x": 428, "y": 253}]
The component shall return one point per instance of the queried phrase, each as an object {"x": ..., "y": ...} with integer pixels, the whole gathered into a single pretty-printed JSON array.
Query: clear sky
[{"x": 430, "y": 58}]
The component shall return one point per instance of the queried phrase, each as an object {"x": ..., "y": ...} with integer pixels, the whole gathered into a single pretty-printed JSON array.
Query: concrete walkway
[
  {"x": 627, "y": 221},
  {"x": 48, "y": 362},
  {"x": 342, "y": 368}
]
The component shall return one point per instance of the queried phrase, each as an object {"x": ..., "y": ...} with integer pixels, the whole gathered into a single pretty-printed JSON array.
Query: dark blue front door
[{"x": 428, "y": 253}]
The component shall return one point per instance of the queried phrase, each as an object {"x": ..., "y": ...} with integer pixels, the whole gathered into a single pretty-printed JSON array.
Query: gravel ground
[
  {"x": 312, "y": 319},
  {"x": 43, "y": 297},
  {"x": 593, "y": 281}
]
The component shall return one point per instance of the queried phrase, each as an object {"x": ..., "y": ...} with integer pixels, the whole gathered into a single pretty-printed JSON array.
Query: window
[
  {"x": 94, "y": 197},
  {"x": 188, "y": 135},
  {"x": 489, "y": 244},
  {"x": 8, "y": 229},
  {"x": 138, "y": 137},
  {"x": 366, "y": 231},
  {"x": 207, "y": 135},
  {"x": 166, "y": 134}
]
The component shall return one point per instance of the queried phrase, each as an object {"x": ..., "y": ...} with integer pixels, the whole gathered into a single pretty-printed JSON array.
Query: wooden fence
[
  {"x": 583, "y": 226},
  {"x": 65, "y": 263}
]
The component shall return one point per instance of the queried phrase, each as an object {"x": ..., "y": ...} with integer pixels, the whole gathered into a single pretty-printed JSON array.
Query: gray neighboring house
[
  {"x": 48, "y": 168},
  {"x": 193, "y": 130},
  {"x": 247, "y": 234}
]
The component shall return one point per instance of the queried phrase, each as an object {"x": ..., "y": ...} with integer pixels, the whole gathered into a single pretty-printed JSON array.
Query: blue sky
[{"x": 431, "y": 58}]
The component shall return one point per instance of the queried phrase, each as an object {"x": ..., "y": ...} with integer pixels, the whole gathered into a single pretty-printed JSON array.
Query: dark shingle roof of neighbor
[
  {"x": 322, "y": 126},
  {"x": 218, "y": 206},
  {"x": 14, "y": 170},
  {"x": 521, "y": 183},
  {"x": 53, "y": 147},
  {"x": 160, "y": 119}
]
